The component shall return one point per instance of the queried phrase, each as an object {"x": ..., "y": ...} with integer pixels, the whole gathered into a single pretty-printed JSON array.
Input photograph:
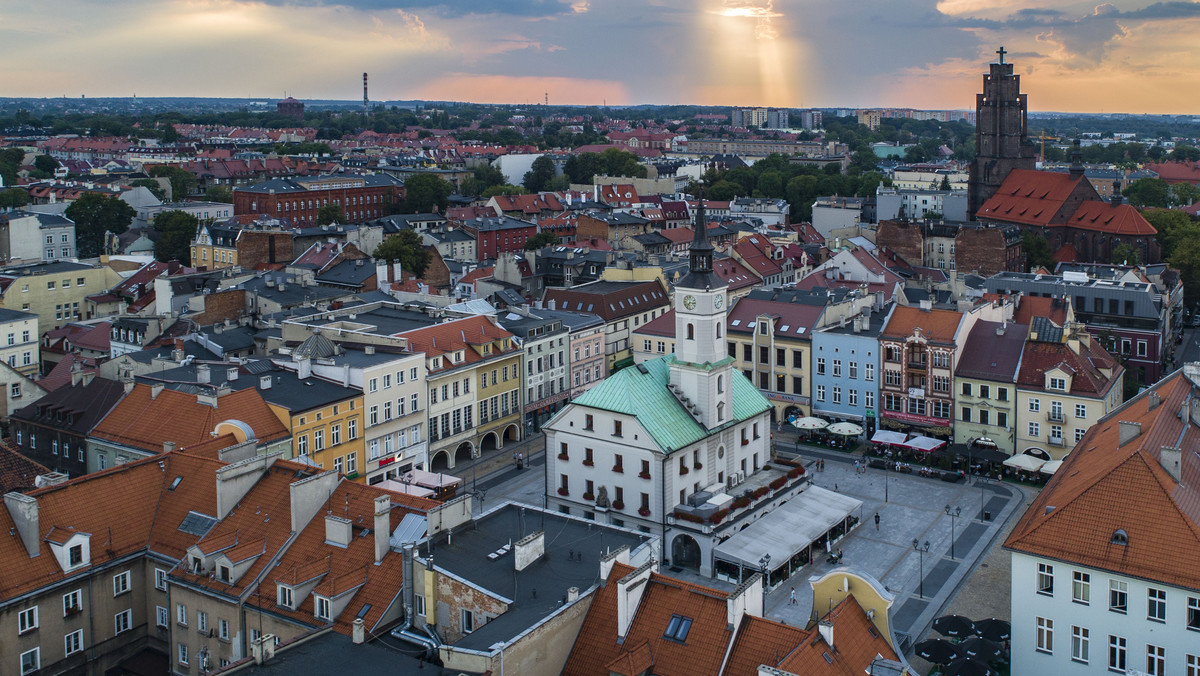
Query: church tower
[
  {"x": 700, "y": 367},
  {"x": 1000, "y": 134}
]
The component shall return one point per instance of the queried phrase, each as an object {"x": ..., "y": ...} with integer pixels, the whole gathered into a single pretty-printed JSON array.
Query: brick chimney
[{"x": 383, "y": 526}]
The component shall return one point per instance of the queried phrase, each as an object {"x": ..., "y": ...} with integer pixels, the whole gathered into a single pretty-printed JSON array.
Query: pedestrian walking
[
  {"x": 520, "y": 461},
  {"x": 856, "y": 467},
  {"x": 792, "y": 600},
  {"x": 876, "y": 520}
]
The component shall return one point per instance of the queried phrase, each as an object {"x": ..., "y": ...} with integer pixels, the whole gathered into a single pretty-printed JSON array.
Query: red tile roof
[
  {"x": 460, "y": 334},
  {"x": 17, "y": 472},
  {"x": 736, "y": 275},
  {"x": 1030, "y": 197},
  {"x": 936, "y": 325},
  {"x": 610, "y": 300},
  {"x": 662, "y": 325},
  {"x": 1176, "y": 172},
  {"x": 1087, "y": 367},
  {"x": 791, "y": 320},
  {"x": 1117, "y": 220},
  {"x": 756, "y": 251},
  {"x": 142, "y": 420},
  {"x": 1104, "y": 485},
  {"x": 856, "y": 644},
  {"x": 1029, "y": 307}
]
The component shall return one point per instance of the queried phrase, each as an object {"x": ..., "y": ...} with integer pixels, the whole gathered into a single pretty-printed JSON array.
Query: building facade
[{"x": 361, "y": 197}]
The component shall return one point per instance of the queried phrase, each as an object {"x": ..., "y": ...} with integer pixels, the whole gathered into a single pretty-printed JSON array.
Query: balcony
[
  {"x": 759, "y": 489},
  {"x": 1055, "y": 416},
  {"x": 916, "y": 365},
  {"x": 1056, "y": 441}
]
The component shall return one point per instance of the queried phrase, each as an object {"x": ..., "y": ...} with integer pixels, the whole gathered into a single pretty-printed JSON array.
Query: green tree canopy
[
  {"x": 1037, "y": 251},
  {"x": 544, "y": 238},
  {"x": 219, "y": 193},
  {"x": 94, "y": 214},
  {"x": 176, "y": 231},
  {"x": 13, "y": 198},
  {"x": 724, "y": 190},
  {"x": 45, "y": 163},
  {"x": 539, "y": 174},
  {"x": 583, "y": 167},
  {"x": 404, "y": 247},
  {"x": 504, "y": 189},
  {"x": 183, "y": 182},
  {"x": 169, "y": 134},
  {"x": 423, "y": 192},
  {"x": 1186, "y": 259},
  {"x": 1148, "y": 192},
  {"x": 1126, "y": 254},
  {"x": 619, "y": 162},
  {"x": 330, "y": 213}
]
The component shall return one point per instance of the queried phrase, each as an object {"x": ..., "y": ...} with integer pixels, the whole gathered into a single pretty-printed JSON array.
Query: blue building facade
[{"x": 845, "y": 370}]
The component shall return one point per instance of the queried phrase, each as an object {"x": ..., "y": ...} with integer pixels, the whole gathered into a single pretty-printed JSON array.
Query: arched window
[
  {"x": 720, "y": 411},
  {"x": 720, "y": 384},
  {"x": 691, "y": 335},
  {"x": 718, "y": 329}
]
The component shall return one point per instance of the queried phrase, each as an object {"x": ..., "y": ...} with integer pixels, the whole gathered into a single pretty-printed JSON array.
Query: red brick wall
[
  {"x": 358, "y": 204},
  {"x": 255, "y": 248},
  {"x": 902, "y": 237},
  {"x": 222, "y": 305}
]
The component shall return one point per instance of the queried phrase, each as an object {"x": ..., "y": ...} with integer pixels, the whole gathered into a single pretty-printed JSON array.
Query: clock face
[
  {"x": 689, "y": 302},
  {"x": 718, "y": 302}
]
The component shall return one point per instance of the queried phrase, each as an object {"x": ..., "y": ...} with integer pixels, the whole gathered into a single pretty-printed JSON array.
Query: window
[
  {"x": 1035, "y": 405},
  {"x": 869, "y": 371},
  {"x": 837, "y": 368},
  {"x": 419, "y": 604},
  {"x": 1081, "y": 588},
  {"x": 1002, "y": 394},
  {"x": 223, "y": 629},
  {"x": 122, "y": 621},
  {"x": 616, "y": 428},
  {"x": 1058, "y": 383},
  {"x": 820, "y": 393},
  {"x": 352, "y": 463},
  {"x": 587, "y": 422},
  {"x": 467, "y": 619},
  {"x": 1193, "y": 613},
  {"x": 1080, "y": 410},
  {"x": 869, "y": 399},
  {"x": 1116, "y": 653},
  {"x": 31, "y": 661},
  {"x": 1045, "y": 635},
  {"x": 285, "y": 596},
  {"x": 853, "y": 370},
  {"x": 1080, "y": 638},
  {"x": 1079, "y": 432},
  {"x": 352, "y": 429},
  {"x": 1001, "y": 419},
  {"x": 1034, "y": 429},
  {"x": 72, "y": 603},
  {"x": 966, "y": 414},
  {"x": 1192, "y": 665},
  {"x": 1156, "y": 660},
  {"x": 27, "y": 620},
  {"x": 161, "y": 616},
  {"x": 837, "y": 394},
  {"x": 1156, "y": 604},
  {"x": 160, "y": 579},
  {"x": 1045, "y": 579},
  {"x": 984, "y": 417},
  {"x": 322, "y": 608},
  {"x": 183, "y": 653},
  {"x": 678, "y": 628},
  {"x": 181, "y": 615},
  {"x": 302, "y": 444},
  {"x": 1118, "y": 596},
  {"x": 201, "y": 620},
  {"x": 120, "y": 583},
  {"x": 966, "y": 389},
  {"x": 820, "y": 366},
  {"x": 335, "y": 434}
]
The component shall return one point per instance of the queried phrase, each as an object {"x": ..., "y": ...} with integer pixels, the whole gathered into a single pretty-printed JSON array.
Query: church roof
[{"x": 642, "y": 392}]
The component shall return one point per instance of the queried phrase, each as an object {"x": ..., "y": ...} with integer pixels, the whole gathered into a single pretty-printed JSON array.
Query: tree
[
  {"x": 583, "y": 167},
  {"x": 1185, "y": 154},
  {"x": 45, "y": 163},
  {"x": 219, "y": 193},
  {"x": 1186, "y": 259},
  {"x": 183, "y": 182},
  {"x": 945, "y": 184},
  {"x": 94, "y": 214},
  {"x": 1126, "y": 254},
  {"x": 424, "y": 192},
  {"x": 170, "y": 135},
  {"x": 504, "y": 189},
  {"x": 151, "y": 185},
  {"x": 1183, "y": 194},
  {"x": 724, "y": 190},
  {"x": 539, "y": 174},
  {"x": 405, "y": 248},
  {"x": 13, "y": 198},
  {"x": 544, "y": 238},
  {"x": 176, "y": 231},
  {"x": 330, "y": 213},
  {"x": 1037, "y": 251},
  {"x": 1148, "y": 192},
  {"x": 622, "y": 163}
]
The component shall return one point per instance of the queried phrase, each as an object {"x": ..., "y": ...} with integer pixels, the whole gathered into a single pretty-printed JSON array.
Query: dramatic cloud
[{"x": 1074, "y": 54}]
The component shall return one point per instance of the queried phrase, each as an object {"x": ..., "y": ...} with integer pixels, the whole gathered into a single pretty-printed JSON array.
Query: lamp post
[
  {"x": 920, "y": 549},
  {"x": 982, "y": 481},
  {"x": 763, "y": 564},
  {"x": 953, "y": 514}
]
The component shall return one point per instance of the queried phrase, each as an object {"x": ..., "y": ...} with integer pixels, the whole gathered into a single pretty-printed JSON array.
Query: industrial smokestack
[{"x": 366, "y": 101}]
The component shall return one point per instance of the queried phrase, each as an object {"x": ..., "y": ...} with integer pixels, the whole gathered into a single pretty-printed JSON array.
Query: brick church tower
[{"x": 1000, "y": 141}]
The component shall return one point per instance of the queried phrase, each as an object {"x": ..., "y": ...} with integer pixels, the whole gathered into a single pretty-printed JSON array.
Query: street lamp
[
  {"x": 920, "y": 549},
  {"x": 982, "y": 481},
  {"x": 953, "y": 514}
]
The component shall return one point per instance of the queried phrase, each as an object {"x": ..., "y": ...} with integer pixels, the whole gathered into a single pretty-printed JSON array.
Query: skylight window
[
  {"x": 736, "y": 322},
  {"x": 785, "y": 327},
  {"x": 678, "y": 628}
]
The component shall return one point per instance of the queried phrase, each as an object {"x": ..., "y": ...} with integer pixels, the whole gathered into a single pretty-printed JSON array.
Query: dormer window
[
  {"x": 75, "y": 555},
  {"x": 285, "y": 597},
  {"x": 1120, "y": 537},
  {"x": 223, "y": 573},
  {"x": 1057, "y": 383},
  {"x": 321, "y": 608},
  {"x": 197, "y": 565}
]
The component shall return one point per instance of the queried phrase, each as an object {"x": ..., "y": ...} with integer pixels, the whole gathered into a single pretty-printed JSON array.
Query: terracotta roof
[
  {"x": 1088, "y": 380},
  {"x": 1176, "y": 172},
  {"x": 460, "y": 334},
  {"x": 1122, "y": 219},
  {"x": 936, "y": 325},
  {"x": 60, "y": 375},
  {"x": 142, "y": 420},
  {"x": 96, "y": 338},
  {"x": 678, "y": 235},
  {"x": 1066, "y": 253},
  {"x": 762, "y": 641},
  {"x": 736, "y": 275},
  {"x": 1029, "y": 307},
  {"x": 610, "y": 300},
  {"x": 17, "y": 472},
  {"x": 662, "y": 325},
  {"x": 791, "y": 320},
  {"x": 1030, "y": 197},
  {"x": 1104, "y": 486},
  {"x": 857, "y": 644},
  {"x": 756, "y": 250},
  {"x": 477, "y": 273}
]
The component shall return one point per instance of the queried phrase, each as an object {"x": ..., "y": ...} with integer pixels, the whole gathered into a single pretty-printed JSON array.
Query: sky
[{"x": 1122, "y": 56}]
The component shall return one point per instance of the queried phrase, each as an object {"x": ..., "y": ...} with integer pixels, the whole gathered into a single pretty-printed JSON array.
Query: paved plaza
[{"x": 914, "y": 509}]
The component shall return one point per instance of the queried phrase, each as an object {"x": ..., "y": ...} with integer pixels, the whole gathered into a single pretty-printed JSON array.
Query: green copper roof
[{"x": 645, "y": 396}]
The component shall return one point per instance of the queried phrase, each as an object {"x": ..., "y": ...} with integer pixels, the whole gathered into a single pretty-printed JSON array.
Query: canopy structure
[
  {"x": 1025, "y": 462},
  {"x": 431, "y": 480},
  {"x": 889, "y": 437},
  {"x": 1050, "y": 467},
  {"x": 407, "y": 489},
  {"x": 810, "y": 423},
  {"x": 845, "y": 429},
  {"x": 788, "y": 529},
  {"x": 924, "y": 444}
]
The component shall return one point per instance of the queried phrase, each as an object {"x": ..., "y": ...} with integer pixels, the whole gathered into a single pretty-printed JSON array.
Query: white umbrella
[
  {"x": 1050, "y": 467},
  {"x": 845, "y": 429},
  {"x": 810, "y": 423},
  {"x": 1025, "y": 462}
]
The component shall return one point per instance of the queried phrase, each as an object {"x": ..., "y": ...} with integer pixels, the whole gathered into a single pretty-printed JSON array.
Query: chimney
[
  {"x": 572, "y": 594},
  {"x": 338, "y": 531},
  {"x": 303, "y": 368},
  {"x": 345, "y": 375},
  {"x": 381, "y": 272},
  {"x": 308, "y": 495},
  {"x": 368, "y": 349},
  {"x": 263, "y": 648},
  {"x": 629, "y": 594},
  {"x": 359, "y": 632},
  {"x": 619, "y": 555},
  {"x": 24, "y": 512},
  {"x": 1153, "y": 400},
  {"x": 168, "y": 446},
  {"x": 155, "y": 390},
  {"x": 383, "y": 526},
  {"x": 203, "y": 374},
  {"x": 825, "y": 627},
  {"x": 746, "y": 599},
  {"x": 264, "y": 382},
  {"x": 1127, "y": 432},
  {"x": 529, "y": 549},
  {"x": 1171, "y": 457}
]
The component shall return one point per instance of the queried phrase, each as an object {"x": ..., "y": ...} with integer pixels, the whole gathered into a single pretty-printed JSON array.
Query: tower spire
[{"x": 701, "y": 253}]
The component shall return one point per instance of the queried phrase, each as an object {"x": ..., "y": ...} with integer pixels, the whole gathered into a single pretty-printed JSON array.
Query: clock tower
[{"x": 701, "y": 368}]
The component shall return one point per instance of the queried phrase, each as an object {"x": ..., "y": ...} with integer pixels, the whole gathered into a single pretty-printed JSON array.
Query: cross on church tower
[{"x": 1001, "y": 52}]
